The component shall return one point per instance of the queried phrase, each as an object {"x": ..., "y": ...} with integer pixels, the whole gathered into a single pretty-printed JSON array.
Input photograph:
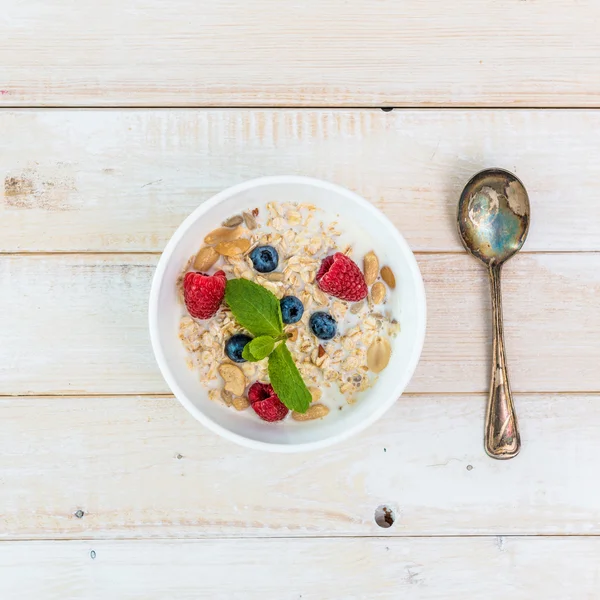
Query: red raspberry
[
  {"x": 265, "y": 402},
  {"x": 260, "y": 391},
  {"x": 204, "y": 293},
  {"x": 340, "y": 276}
]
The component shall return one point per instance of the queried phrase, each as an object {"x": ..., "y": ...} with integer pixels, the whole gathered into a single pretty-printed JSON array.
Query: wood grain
[
  {"x": 342, "y": 569},
  {"x": 115, "y": 180},
  {"x": 143, "y": 468},
  {"x": 77, "y": 324},
  {"x": 336, "y": 53}
]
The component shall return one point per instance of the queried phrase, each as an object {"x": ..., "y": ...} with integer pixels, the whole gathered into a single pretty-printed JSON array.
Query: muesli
[{"x": 280, "y": 317}]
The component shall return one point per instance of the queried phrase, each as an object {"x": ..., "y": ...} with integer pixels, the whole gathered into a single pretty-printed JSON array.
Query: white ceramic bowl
[{"x": 245, "y": 428}]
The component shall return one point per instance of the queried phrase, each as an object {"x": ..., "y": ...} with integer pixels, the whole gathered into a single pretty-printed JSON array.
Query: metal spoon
[{"x": 493, "y": 221}]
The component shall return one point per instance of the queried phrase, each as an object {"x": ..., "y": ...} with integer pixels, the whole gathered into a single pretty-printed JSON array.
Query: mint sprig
[
  {"x": 258, "y": 348},
  {"x": 258, "y": 310},
  {"x": 287, "y": 381},
  {"x": 254, "y": 307}
]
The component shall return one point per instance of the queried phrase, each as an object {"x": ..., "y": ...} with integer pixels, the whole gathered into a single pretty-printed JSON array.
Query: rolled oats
[{"x": 357, "y": 307}]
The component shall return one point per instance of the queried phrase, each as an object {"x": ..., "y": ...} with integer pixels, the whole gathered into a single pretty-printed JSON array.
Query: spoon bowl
[
  {"x": 493, "y": 222},
  {"x": 493, "y": 216}
]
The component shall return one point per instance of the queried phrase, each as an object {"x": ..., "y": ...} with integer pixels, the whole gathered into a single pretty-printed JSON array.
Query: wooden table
[{"x": 117, "y": 119}]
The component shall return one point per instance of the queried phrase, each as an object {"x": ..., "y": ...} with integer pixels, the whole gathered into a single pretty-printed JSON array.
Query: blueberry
[
  {"x": 323, "y": 325},
  {"x": 264, "y": 258},
  {"x": 235, "y": 345},
  {"x": 291, "y": 309}
]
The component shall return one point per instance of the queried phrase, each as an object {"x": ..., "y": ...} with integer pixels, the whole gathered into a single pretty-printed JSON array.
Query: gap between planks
[
  {"x": 159, "y": 252},
  {"x": 216, "y": 107},
  {"x": 404, "y": 395},
  {"x": 213, "y": 538}
]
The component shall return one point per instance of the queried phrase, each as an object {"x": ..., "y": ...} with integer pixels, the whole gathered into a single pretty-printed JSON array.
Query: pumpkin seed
[
  {"x": 233, "y": 221},
  {"x": 250, "y": 221}
]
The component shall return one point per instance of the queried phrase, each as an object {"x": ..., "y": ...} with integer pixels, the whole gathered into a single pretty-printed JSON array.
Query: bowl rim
[{"x": 153, "y": 315}]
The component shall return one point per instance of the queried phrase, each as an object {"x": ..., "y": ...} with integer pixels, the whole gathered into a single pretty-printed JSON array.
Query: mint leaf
[
  {"x": 287, "y": 381},
  {"x": 254, "y": 307},
  {"x": 258, "y": 348}
]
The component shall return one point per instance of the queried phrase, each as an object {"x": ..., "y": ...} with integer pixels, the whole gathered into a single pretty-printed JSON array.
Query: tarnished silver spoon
[{"x": 493, "y": 221}]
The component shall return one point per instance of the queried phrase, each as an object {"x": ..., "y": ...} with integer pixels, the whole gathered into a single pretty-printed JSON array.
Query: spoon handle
[{"x": 502, "y": 438}]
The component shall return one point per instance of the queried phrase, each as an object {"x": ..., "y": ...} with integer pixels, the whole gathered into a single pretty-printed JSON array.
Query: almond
[
  {"x": 222, "y": 234},
  {"x": 233, "y": 248},
  {"x": 378, "y": 355},
  {"x": 371, "y": 267},
  {"x": 205, "y": 258},
  {"x": 388, "y": 276},
  {"x": 316, "y": 411},
  {"x": 378, "y": 292}
]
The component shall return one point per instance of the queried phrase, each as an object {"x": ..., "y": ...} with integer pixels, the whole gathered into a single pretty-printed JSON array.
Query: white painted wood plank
[
  {"x": 115, "y": 180},
  {"x": 311, "y": 569},
  {"x": 314, "y": 53},
  {"x": 143, "y": 468},
  {"x": 76, "y": 324}
]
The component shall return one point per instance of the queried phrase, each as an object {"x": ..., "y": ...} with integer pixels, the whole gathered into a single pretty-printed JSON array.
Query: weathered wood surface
[
  {"x": 118, "y": 181},
  {"x": 77, "y": 324},
  {"x": 311, "y": 569},
  {"x": 91, "y": 474},
  {"x": 314, "y": 53},
  {"x": 142, "y": 467}
]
